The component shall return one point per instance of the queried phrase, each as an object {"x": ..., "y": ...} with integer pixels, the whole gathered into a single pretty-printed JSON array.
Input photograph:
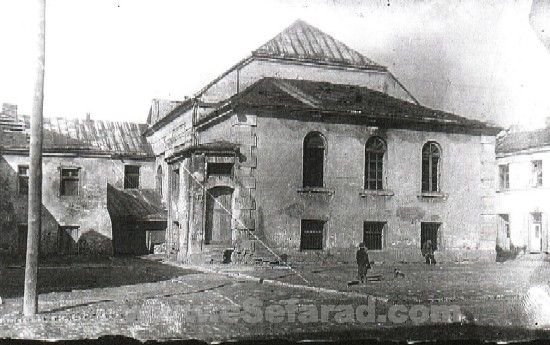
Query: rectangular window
[
  {"x": 131, "y": 176},
  {"x": 69, "y": 181},
  {"x": 67, "y": 240},
  {"x": 504, "y": 176},
  {"x": 175, "y": 184},
  {"x": 219, "y": 169},
  {"x": 429, "y": 231},
  {"x": 374, "y": 168},
  {"x": 373, "y": 235},
  {"x": 312, "y": 234},
  {"x": 23, "y": 179},
  {"x": 536, "y": 173}
]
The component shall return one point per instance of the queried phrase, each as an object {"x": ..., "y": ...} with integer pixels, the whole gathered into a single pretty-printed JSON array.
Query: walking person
[
  {"x": 428, "y": 252},
  {"x": 363, "y": 263}
]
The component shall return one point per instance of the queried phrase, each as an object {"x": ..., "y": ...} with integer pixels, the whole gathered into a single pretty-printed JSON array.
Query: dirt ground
[{"x": 147, "y": 299}]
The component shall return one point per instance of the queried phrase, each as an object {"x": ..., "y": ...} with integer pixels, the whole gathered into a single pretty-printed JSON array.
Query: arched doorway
[{"x": 218, "y": 216}]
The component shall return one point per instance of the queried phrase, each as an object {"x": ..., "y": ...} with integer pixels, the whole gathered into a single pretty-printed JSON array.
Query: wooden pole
[{"x": 30, "y": 298}]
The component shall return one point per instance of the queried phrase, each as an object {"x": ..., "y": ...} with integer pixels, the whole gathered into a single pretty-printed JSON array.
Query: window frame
[
  {"x": 430, "y": 159},
  {"x": 130, "y": 176},
  {"x": 380, "y": 158},
  {"x": 322, "y": 224},
  {"x": 63, "y": 178},
  {"x": 503, "y": 184},
  {"x": 160, "y": 179},
  {"x": 21, "y": 177},
  {"x": 382, "y": 234},
  {"x": 536, "y": 173},
  {"x": 307, "y": 168}
]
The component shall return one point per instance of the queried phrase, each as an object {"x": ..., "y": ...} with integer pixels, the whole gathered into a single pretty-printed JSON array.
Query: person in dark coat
[
  {"x": 363, "y": 263},
  {"x": 428, "y": 252}
]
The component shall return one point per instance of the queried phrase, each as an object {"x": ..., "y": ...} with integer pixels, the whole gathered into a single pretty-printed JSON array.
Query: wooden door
[{"x": 218, "y": 216}]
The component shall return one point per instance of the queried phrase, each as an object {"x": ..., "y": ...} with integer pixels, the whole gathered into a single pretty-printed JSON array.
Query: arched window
[
  {"x": 314, "y": 159},
  {"x": 374, "y": 163},
  {"x": 431, "y": 155},
  {"x": 159, "y": 180}
]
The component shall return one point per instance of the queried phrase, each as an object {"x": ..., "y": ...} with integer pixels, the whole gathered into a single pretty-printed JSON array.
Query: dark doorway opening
[{"x": 429, "y": 231}]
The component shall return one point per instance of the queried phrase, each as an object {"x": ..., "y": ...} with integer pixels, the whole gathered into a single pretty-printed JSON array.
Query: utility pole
[{"x": 30, "y": 298}]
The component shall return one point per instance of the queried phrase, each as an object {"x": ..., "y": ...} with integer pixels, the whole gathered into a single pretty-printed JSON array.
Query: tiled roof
[
  {"x": 305, "y": 95},
  {"x": 518, "y": 141},
  {"x": 138, "y": 204},
  {"x": 91, "y": 136},
  {"x": 302, "y": 41}
]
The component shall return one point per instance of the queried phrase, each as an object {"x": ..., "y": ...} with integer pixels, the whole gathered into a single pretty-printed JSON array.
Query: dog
[{"x": 397, "y": 273}]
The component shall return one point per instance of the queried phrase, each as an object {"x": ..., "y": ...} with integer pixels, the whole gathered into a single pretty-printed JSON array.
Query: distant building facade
[
  {"x": 523, "y": 198},
  {"x": 310, "y": 147},
  {"x": 89, "y": 168}
]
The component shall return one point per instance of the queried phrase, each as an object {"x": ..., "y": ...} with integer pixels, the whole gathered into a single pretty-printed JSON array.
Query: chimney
[
  {"x": 547, "y": 122},
  {"x": 10, "y": 110},
  {"x": 88, "y": 117}
]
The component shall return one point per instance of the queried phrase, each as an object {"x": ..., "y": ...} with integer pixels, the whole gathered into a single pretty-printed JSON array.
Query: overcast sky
[{"x": 479, "y": 59}]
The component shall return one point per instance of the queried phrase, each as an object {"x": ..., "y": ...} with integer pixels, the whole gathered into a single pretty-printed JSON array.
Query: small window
[
  {"x": 374, "y": 163},
  {"x": 431, "y": 155},
  {"x": 536, "y": 173},
  {"x": 504, "y": 176},
  {"x": 429, "y": 231},
  {"x": 68, "y": 240},
  {"x": 131, "y": 176},
  {"x": 312, "y": 234},
  {"x": 175, "y": 183},
  {"x": 313, "y": 160},
  {"x": 69, "y": 181},
  {"x": 23, "y": 179},
  {"x": 159, "y": 180},
  {"x": 219, "y": 169},
  {"x": 373, "y": 235}
]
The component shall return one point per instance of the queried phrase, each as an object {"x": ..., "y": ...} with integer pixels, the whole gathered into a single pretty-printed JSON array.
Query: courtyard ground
[{"x": 147, "y": 299}]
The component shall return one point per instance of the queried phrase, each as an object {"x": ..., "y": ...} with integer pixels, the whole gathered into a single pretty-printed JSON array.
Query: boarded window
[
  {"x": 312, "y": 234},
  {"x": 536, "y": 173},
  {"x": 23, "y": 179},
  {"x": 67, "y": 240},
  {"x": 69, "y": 181},
  {"x": 373, "y": 235},
  {"x": 160, "y": 178},
  {"x": 219, "y": 169},
  {"x": 131, "y": 176},
  {"x": 313, "y": 160},
  {"x": 374, "y": 166},
  {"x": 429, "y": 231},
  {"x": 431, "y": 155},
  {"x": 504, "y": 176}
]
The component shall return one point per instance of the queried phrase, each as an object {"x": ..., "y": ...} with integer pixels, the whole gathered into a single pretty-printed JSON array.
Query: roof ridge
[{"x": 303, "y": 41}]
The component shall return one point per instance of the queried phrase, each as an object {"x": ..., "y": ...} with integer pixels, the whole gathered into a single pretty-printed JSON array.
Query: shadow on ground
[{"x": 66, "y": 274}]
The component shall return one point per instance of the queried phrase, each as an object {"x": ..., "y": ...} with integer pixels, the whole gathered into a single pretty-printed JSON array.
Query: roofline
[
  {"x": 523, "y": 151},
  {"x": 261, "y": 57},
  {"x": 185, "y": 105},
  {"x": 78, "y": 153}
]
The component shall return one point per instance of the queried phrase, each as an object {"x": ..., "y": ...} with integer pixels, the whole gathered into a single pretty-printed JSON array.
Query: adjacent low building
[
  {"x": 523, "y": 198},
  {"x": 98, "y": 179},
  {"x": 308, "y": 148}
]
